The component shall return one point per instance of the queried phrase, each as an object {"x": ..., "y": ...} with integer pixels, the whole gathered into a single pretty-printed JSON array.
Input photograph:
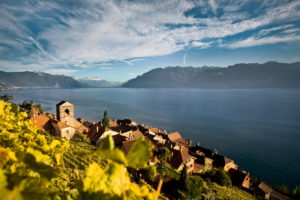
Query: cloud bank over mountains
[{"x": 67, "y": 36}]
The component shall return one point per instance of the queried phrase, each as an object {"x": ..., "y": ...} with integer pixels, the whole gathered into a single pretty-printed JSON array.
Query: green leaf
[
  {"x": 115, "y": 155},
  {"x": 107, "y": 151},
  {"x": 140, "y": 153},
  {"x": 107, "y": 143}
]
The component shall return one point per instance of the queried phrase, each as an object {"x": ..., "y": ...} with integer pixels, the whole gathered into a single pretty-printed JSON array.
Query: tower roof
[{"x": 66, "y": 103}]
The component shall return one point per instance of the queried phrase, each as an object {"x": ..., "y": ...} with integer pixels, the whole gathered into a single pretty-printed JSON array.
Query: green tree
[
  {"x": 195, "y": 187},
  {"x": 6, "y": 97},
  {"x": 163, "y": 155},
  {"x": 105, "y": 120},
  {"x": 14, "y": 108},
  {"x": 183, "y": 180},
  {"x": 222, "y": 178}
]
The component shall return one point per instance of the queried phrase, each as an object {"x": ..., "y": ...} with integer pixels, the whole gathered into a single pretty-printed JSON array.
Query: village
[{"x": 197, "y": 159}]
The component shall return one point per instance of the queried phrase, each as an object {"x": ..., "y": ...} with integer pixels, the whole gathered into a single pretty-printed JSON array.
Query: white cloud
[
  {"x": 213, "y": 5},
  {"x": 252, "y": 41},
  {"x": 101, "y": 31},
  {"x": 131, "y": 61},
  {"x": 201, "y": 44},
  {"x": 60, "y": 71},
  {"x": 91, "y": 79},
  {"x": 105, "y": 68},
  {"x": 132, "y": 74}
]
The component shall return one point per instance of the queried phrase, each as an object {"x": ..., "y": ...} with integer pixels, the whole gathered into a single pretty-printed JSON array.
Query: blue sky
[{"x": 118, "y": 40}]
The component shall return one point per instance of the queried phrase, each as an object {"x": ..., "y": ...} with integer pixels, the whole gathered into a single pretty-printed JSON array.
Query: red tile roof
[
  {"x": 174, "y": 136},
  {"x": 180, "y": 156},
  {"x": 136, "y": 134},
  {"x": 93, "y": 134},
  {"x": 42, "y": 122},
  {"x": 126, "y": 146}
]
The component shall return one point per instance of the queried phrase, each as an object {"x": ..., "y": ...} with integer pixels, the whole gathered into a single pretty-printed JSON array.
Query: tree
[
  {"x": 163, "y": 155},
  {"x": 222, "y": 178},
  {"x": 105, "y": 120},
  {"x": 183, "y": 180},
  {"x": 195, "y": 187},
  {"x": 6, "y": 97}
]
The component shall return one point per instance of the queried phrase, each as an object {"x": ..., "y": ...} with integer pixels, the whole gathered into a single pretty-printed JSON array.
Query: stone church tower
[{"x": 65, "y": 113}]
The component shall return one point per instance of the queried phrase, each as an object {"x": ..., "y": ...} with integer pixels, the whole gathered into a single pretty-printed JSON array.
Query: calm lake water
[{"x": 259, "y": 129}]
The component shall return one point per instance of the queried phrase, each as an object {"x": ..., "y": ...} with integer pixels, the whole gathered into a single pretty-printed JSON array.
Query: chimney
[
  {"x": 190, "y": 142},
  {"x": 215, "y": 151},
  {"x": 97, "y": 129},
  {"x": 198, "y": 144}
]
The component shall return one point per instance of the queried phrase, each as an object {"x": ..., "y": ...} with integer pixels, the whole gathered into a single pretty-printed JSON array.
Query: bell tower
[{"x": 65, "y": 112}]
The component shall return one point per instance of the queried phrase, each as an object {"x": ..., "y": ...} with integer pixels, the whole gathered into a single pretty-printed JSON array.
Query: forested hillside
[
  {"x": 252, "y": 75},
  {"x": 36, "y": 80}
]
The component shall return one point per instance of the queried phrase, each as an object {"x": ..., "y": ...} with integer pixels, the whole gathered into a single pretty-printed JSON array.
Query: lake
[{"x": 258, "y": 129}]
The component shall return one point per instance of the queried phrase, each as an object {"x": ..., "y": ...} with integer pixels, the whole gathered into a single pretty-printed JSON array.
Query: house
[
  {"x": 272, "y": 194},
  {"x": 133, "y": 135},
  {"x": 65, "y": 114},
  {"x": 42, "y": 122},
  {"x": 204, "y": 151},
  {"x": 127, "y": 122},
  {"x": 63, "y": 130},
  {"x": 160, "y": 139},
  {"x": 52, "y": 126},
  {"x": 118, "y": 140},
  {"x": 198, "y": 168},
  {"x": 98, "y": 132},
  {"x": 222, "y": 162},
  {"x": 239, "y": 178},
  {"x": 113, "y": 123},
  {"x": 126, "y": 146},
  {"x": 202, "y": 164},
  {"x": 182, "y": 157},
  {"x": 176, "y": 139},
  {"x": 265, "y": 189},
  {"x": 154, "y": 131}
]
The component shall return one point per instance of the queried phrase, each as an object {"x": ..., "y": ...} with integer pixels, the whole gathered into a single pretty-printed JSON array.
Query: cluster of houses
[{"x": 125, "y": 132}]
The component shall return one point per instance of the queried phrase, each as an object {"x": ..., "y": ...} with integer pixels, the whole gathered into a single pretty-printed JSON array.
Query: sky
[{"x": 117, "y": 40}]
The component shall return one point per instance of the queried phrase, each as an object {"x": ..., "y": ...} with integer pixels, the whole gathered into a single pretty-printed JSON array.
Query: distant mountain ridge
[
  {"x": 36, "y": 80},
  {"x": 90, "y": 82},
  {"x": 252, "y": 75}
]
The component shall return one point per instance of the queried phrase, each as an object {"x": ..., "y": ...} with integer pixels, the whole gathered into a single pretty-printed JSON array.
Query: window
[{"x": 67, "y": 111}]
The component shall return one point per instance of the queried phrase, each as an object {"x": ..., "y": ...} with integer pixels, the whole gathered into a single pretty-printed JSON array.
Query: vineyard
[{"x": 36, "y": 165}]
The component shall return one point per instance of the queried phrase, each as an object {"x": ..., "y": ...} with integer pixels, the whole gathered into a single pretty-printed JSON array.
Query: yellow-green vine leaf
[{"x": 140, "y": 153}]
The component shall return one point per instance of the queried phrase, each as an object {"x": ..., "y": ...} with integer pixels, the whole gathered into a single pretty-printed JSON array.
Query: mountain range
[
  {"x": 36, "y": 80},
  {"x": 98, "y": 83},
  {"x": 252, "y": 75}
]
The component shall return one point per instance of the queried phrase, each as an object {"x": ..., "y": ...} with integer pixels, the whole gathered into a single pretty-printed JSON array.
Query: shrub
[{"x": 222, "y": 178}]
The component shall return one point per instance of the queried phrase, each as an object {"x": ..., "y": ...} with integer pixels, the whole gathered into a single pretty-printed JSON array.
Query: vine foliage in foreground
[{"x": 32, "y": 165}]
